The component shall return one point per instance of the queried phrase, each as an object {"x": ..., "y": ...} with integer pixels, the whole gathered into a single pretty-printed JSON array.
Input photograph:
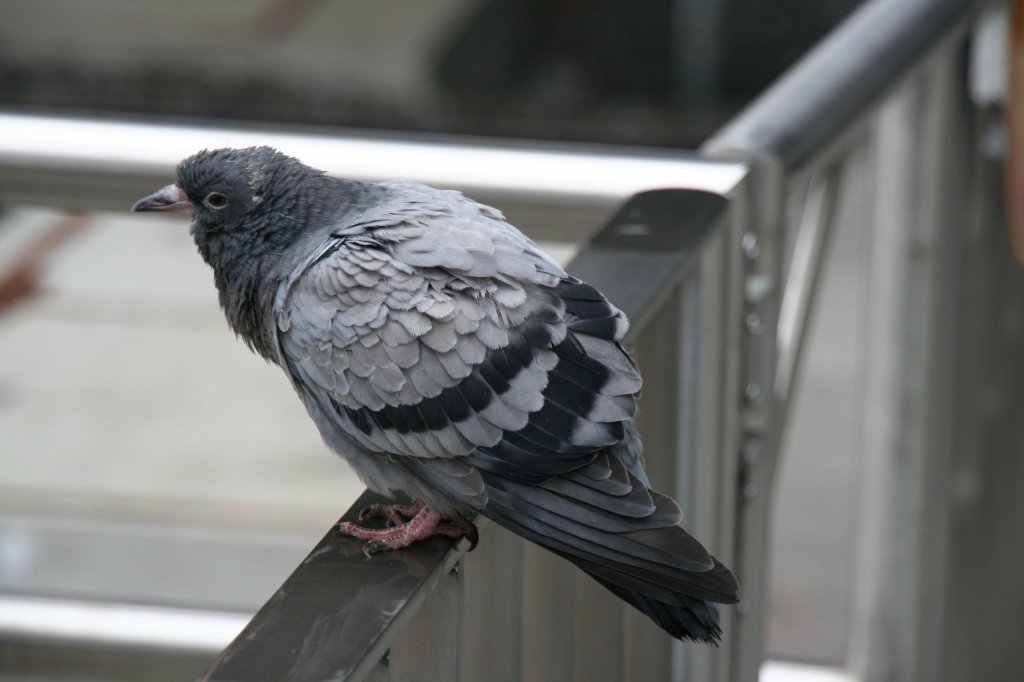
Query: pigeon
[{"x": 448, "y": 358}]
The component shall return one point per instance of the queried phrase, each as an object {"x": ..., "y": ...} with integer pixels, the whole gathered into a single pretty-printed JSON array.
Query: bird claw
[
  {"x": 366, "y": 513},
  {"x": 371, "y": 547},
  {"x": 406, "y": 524},
  {"x": 459, "y": 526},
  {"x": 471, "y": 534},
  {"x": 394, "y": 514}
]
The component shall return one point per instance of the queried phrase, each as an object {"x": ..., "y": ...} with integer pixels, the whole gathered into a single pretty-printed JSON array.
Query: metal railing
[
  {"x": 93, "y": 163},
  {"x": 829, "y": 119},
  {"x": 719, "y": 278}
]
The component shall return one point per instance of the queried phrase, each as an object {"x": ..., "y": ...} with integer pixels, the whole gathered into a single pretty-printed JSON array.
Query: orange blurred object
[{"x": 1014, "y": 113}]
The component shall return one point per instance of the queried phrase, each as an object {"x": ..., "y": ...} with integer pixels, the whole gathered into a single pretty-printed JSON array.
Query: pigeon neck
[
  {"x": 249, "y": 264},
  {"x": 245, "y": 289}
]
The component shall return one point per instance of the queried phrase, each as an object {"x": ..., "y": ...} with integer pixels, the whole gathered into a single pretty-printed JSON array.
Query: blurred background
[
  {"x": 148, "y": 459},
  {"x": 660, "y": 72}
]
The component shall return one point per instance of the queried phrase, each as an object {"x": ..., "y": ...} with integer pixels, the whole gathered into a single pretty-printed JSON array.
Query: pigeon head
[
  {"x": 250, "y": 209},
  {"x": 223, "y": 188},
  {"x": 248, "y": 206},
  {"x": 246, "y": 203}
]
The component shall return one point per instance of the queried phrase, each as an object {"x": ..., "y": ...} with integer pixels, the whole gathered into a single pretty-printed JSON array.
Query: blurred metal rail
[
  {"x": 92, "y": 622},
  {"x": 96, "y": 163},
  {"x": 815, "y": 104}
]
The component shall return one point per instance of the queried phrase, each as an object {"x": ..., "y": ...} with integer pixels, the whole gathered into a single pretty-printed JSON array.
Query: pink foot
[
  {"x": 396, "y": 514},
  {"x": 407, "y": 524}
]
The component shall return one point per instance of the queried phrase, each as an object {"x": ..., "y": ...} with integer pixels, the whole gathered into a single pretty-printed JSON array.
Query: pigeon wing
[{"x": 427, "y": 333}]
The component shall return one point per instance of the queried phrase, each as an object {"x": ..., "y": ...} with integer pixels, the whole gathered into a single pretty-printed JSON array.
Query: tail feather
[
  {"x": 666, "y": 587},
  {"x": 656, "y": 567},
  {"x": 694, "y": 619},
  {"x": 601, "y": 547}
]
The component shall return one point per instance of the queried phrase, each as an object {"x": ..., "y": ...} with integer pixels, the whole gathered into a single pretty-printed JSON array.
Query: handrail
[
  {"x": 104, "y": 163},
  {"x": 818, "y": 98},
  {"x": 81, "y": 621},
  {"x": 336, "y": 616}
]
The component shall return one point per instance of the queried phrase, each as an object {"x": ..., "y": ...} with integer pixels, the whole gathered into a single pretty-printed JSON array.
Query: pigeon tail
[
  {"x": 646, "y": 559},
  {"x": 693, "y": 619}
]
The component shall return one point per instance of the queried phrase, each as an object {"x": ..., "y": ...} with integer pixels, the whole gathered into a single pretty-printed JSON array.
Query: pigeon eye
[{"x": 215, "y": 200}]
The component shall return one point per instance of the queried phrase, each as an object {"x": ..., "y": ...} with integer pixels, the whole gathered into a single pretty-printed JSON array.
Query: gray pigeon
[{"x": 445, "y": 356}]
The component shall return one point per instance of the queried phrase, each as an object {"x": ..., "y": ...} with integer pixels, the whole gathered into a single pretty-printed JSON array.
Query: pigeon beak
[{"x": 169, "y": 198}]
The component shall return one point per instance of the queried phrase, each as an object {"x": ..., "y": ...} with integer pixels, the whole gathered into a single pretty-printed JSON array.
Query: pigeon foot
[{"x": 407, "y": 523}]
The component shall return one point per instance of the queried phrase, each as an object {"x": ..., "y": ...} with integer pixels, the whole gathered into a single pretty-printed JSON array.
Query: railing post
[
  {"x": 763, "y": 246},
  {"x": 804, "y": 123}
]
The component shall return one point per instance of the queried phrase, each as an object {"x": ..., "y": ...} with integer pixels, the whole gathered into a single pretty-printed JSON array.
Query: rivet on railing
[
  {"x": 753, "y": 392},
  {"x": 754, "y": 324},
  {"x": 752, "y": 451},
  {"x": 751, "y": 246}
]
